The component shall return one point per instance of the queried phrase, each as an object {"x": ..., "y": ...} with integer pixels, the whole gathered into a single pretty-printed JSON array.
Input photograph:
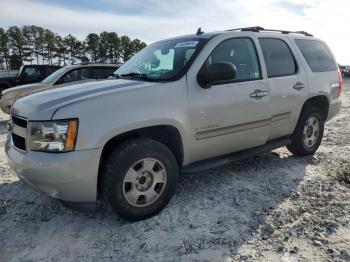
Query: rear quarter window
[{"x": 317, "y": 55}]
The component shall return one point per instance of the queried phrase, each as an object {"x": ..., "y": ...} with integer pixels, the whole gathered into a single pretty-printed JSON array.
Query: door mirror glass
[{"x": 216, "y": 73}]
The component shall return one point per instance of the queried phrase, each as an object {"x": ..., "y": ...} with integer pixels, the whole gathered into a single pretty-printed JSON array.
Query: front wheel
[
  {"x": 308, "y": 134},
  {"x": 139, "y": 178}
]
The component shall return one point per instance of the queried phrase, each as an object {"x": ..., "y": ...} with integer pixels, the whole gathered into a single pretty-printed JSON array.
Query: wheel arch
[
  {"x": 319, "y": 101},
  {"x": 168, "y": 135}
]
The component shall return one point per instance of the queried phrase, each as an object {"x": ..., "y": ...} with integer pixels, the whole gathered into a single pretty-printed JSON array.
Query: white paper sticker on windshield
[{"x": 186, "y": 44}]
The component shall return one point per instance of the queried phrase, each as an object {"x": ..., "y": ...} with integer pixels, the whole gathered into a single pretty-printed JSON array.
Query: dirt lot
[{"x": 272, "y": 207}]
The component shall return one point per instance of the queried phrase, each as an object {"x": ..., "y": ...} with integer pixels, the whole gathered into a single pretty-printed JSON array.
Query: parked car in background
[
  {"x": 65, "y": 76},
  {"x": 26, "y": 75},
  {"x": 345, "y": 70},
  {"x": 185, "y": 104}
]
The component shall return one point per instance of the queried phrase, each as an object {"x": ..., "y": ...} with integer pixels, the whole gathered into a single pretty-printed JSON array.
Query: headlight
[
  {"x": 12, "y": 95},
  {"x": 53, "y": 136}
]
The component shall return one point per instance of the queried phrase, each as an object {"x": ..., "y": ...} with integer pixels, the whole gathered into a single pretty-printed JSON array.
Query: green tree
[
  {"x": 61, "y": 50},
  {"x": 4, "y": 49},
  {"x": 49, "y": 45},
  {"x": 137, "y": 45},
  {"x": 17, "y": 42},
  {"x": 103, "y": 47},
  {"x": 31, "y": 43},
  {"x": 71, "y": 44},
  {"x": 113, "y": 50},
  {"x": 28, "y": 44},
  {"x": 38, "y": 42},
  {"x": 92, "y": 46},
  {"x": 125, "y": 48}
]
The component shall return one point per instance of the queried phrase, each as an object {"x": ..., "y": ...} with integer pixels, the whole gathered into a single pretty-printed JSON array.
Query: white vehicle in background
[{"x": 65, "y": 76}]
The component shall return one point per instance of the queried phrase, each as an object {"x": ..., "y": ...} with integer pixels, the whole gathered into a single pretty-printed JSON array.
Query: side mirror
[{"x": 216, "y": 73}]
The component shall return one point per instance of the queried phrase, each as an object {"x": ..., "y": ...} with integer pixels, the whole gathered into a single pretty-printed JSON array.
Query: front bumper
[{"x": 71, "y": 177}]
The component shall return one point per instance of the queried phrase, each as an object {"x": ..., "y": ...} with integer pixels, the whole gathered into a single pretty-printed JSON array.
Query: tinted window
[
  {"x": 102, "y": 73},
  {"x": 107, "y": 72},
  {"x": 317, "y": 55},
  {"x": 32, "y": 71},
  {"x": 278, "y": 57},
  {"x": 240, "y": 52},
  {"x": 76, "y": 75}
]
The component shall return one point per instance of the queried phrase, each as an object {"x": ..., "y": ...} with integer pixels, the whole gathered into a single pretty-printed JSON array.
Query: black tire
[
  {"x": 298, "y": 146},
  {"x": 115, "y": 169}
]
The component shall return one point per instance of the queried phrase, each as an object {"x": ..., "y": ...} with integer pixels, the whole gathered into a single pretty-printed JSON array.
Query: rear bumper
[
  {"x": 334, "y": 109},
  {"x": 70, "y": 177}
]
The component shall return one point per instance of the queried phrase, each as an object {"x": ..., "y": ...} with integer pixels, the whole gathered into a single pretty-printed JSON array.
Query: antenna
[{"x": 199, "y": 31}]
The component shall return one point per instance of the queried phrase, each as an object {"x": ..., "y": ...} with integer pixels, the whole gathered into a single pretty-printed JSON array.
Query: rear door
[
  {"x": 235, "y": 115},
  {"x": 287, "y": 82}
]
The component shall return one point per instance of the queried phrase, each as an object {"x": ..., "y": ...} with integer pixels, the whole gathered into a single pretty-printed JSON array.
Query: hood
[
  {"x": 42, "y": 105},
  {"x": 25, "y": 89}
]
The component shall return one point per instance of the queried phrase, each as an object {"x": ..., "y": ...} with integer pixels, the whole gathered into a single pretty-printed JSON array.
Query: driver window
[
  {"x": 75, "y": 75},
  {"x": 71, "y": 76},
  {"x": 240, "y": 52}
]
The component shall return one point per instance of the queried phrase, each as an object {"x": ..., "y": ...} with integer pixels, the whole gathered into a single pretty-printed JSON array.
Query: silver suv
[{"x": 185, "y": 104}]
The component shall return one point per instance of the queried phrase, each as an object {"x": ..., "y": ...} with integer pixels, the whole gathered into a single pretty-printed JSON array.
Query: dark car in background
[
  {"x": 26, "y": 75},
  {"x": 345, "y": 71}
]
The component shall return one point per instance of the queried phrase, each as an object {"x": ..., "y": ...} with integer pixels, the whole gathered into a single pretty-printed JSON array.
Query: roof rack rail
[{"x": 259, "y": 28}]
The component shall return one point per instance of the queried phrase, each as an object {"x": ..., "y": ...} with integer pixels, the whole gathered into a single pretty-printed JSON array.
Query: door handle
[
  {"x": 258, "y": 94},
  {"x": 299, "y": 86}
]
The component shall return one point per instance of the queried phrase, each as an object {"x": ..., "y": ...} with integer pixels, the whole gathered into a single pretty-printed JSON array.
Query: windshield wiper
[
  {"x": 139, "y": 76},
  {"x": 113, "y": 76}
]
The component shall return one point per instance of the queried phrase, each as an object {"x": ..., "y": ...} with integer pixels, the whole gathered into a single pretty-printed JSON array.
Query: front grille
[
  {"x": 19, "y": 142},
  {"x": 19, "y": 121},
  {"x": 19, "y": 132}
]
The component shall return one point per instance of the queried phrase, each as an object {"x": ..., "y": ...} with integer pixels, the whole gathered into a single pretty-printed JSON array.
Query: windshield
[
  {"x": 51, "y": 78},
  {"x": 163, "y": 61}
]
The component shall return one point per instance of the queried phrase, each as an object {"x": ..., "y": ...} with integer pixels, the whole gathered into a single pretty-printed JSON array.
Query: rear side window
[
  {"x": 32, "y": 71},
  {"x": 107, "y": 72},
  {"x": 102, "y": 72},
  {"x": 76, "y": 75},
  {"x": 317, "y": 55},
  {"x": 278, "y": 58}
]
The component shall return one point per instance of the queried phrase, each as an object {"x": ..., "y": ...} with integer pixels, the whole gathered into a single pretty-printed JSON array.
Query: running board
[{"x": 204, "y": 165}]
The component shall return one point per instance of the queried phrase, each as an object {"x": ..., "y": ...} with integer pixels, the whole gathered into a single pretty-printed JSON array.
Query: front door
[{"x": 233, "y": 116}]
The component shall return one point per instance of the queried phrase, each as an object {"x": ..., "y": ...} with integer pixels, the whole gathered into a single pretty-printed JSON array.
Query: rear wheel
[
  {"x": 308, "y": 134},
  {"x": 139, "y": 178}
]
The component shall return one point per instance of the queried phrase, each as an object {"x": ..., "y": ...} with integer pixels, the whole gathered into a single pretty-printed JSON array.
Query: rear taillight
[{"x": 340, "y": 86}]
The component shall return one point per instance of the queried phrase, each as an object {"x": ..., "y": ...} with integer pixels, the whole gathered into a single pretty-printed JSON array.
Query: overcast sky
[{"x": 152, "y": 20}]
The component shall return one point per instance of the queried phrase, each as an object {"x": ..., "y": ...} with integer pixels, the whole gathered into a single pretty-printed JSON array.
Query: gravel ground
[{"x": 272, "y": 207}]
